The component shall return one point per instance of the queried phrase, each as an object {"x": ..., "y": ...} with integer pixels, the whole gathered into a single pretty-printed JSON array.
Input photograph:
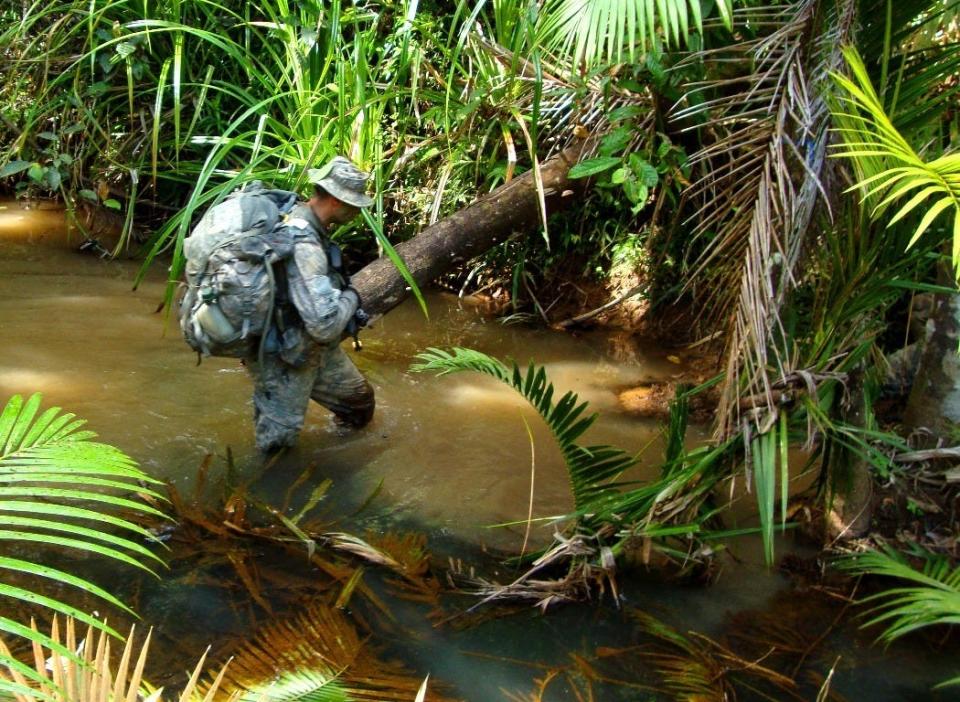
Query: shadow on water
[{"x": 445, "y": 457}]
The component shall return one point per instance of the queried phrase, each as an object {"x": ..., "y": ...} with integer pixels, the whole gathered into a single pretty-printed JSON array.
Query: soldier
[{"x": 317, "y": 299}]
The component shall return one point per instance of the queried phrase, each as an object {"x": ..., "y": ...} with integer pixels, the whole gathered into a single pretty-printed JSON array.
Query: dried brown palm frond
[
  {"x": 694, "y": 667},
  {"x": 88, "y": 674},
  {"x": 577, "y": 555},
  {"x": 317, "y": 655},
  {"x": 405, "y": 554},
  {"x": 761, "y": 184},
  {"x": 233, "y": 532}
]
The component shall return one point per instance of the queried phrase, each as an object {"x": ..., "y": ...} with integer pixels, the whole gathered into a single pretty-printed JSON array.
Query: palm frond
[
  {"x": 591, "y": 31},
  {"x": 889, "y": 169},
  {"x": 591, "y": 469},
  {"x": 88, "y": 676},
  {"x": 930, "y": 598},
  {"x": 760, "y": 185},
  {"x": 317, "y": 655},
  {"x": 56, "y": 489}
]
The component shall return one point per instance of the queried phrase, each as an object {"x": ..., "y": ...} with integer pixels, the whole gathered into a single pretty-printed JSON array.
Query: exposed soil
[
  {"x": 694, "y": 366},
  {"x": 618, "y": 303}
]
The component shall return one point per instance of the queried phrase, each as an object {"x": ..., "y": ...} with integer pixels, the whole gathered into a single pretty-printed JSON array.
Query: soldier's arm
[{"x": 324, "y": 308}]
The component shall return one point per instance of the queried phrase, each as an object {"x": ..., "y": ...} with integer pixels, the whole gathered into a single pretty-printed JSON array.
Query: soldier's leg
[
  {"x": 342, "y": 389},
  {"x": 280, "y": 397}
]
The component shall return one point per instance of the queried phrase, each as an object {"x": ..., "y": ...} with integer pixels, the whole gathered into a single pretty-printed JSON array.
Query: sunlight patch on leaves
[{"x": 888, "y": 167}]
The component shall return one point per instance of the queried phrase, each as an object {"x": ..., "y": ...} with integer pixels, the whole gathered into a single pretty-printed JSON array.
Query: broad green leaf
[
  {"x": 14, "y": 167},
  {"x": 616, "y": 140},
  {"x": 648, "y": 175},
  {"x": 77, "y": 530},
  {"x": 86, "y": 481},
  {"x": 624, "y": 112},
  {"x": 19, "y": 593},
  {"x": 53, "y": 493},
  {"x": 931, "y": 215},
  {"x": 12, "y": 627},
  {"x": 48, "y": 461},
  {"x": 70, "y": 511},
  {"x": 889, "y": 167},
  {"x": 593, "y": 166},
  {"x": 77, "y": 544},
  {"x": 39, "y": 426}
]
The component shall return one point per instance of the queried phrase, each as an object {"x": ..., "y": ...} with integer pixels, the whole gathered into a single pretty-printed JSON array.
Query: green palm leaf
[
  {"x": 888, "y": 167},
  {"x": 591, "y": 31},
  {"x": 54, "y": 484},
  {"x": 931, "y": 596},
  {"x": 591, "y": 469}
]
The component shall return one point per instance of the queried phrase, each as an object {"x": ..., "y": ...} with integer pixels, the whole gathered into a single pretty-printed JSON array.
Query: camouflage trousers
[{"x": 282, "y": 392}]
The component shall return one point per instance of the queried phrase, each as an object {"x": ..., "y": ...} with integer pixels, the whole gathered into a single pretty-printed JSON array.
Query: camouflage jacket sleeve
[{"x": 314, "y": 290}]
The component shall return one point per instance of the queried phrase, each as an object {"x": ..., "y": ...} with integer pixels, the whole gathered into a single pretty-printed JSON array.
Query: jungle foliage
[
  {"x": 924, "y": 596},
  {"x": 163, "y": 108},
  {"x": 786, "y": 169}
]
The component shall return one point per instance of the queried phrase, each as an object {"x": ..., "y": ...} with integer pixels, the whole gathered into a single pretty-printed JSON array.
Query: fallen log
[{"x": 467, "y": 233}]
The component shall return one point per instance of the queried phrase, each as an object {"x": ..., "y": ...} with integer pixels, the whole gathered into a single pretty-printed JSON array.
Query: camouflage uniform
[{"x": 300, "y": 367}]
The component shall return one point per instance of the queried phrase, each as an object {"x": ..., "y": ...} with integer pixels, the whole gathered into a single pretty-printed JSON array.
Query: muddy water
[
  {"x": 451, "y": 455},
  {"x": 453, "y": 451}
]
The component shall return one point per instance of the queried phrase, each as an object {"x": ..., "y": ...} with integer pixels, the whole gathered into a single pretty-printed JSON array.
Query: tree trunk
[
  {"x": 467, "y": 233},
  {"x": 850, "y": 507},
  {"x": 935, "y": 399}
]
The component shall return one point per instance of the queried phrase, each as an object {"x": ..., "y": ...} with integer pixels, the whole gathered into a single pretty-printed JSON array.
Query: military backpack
[{"x": 232, "y": 258}]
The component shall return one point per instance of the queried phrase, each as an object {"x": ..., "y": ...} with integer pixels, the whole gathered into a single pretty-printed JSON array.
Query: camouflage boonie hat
[{"x": 343, "y": 180}]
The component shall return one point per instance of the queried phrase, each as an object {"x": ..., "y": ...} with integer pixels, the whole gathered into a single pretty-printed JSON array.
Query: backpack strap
[{"x": 359, "y": 318}]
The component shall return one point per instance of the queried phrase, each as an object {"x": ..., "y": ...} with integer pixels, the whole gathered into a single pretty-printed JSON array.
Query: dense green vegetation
[{"x": 784, "y": 174}]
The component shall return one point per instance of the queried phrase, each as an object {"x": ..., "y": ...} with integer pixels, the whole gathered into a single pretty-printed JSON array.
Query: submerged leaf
[{"x": 317, "y": 655}]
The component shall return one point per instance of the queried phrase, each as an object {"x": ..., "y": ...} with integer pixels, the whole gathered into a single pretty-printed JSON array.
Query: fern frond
[{"x": 591, "y": 469}]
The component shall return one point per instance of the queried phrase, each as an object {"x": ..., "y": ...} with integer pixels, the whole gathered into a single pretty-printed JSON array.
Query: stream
[{"x": 447, "y": 457}]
